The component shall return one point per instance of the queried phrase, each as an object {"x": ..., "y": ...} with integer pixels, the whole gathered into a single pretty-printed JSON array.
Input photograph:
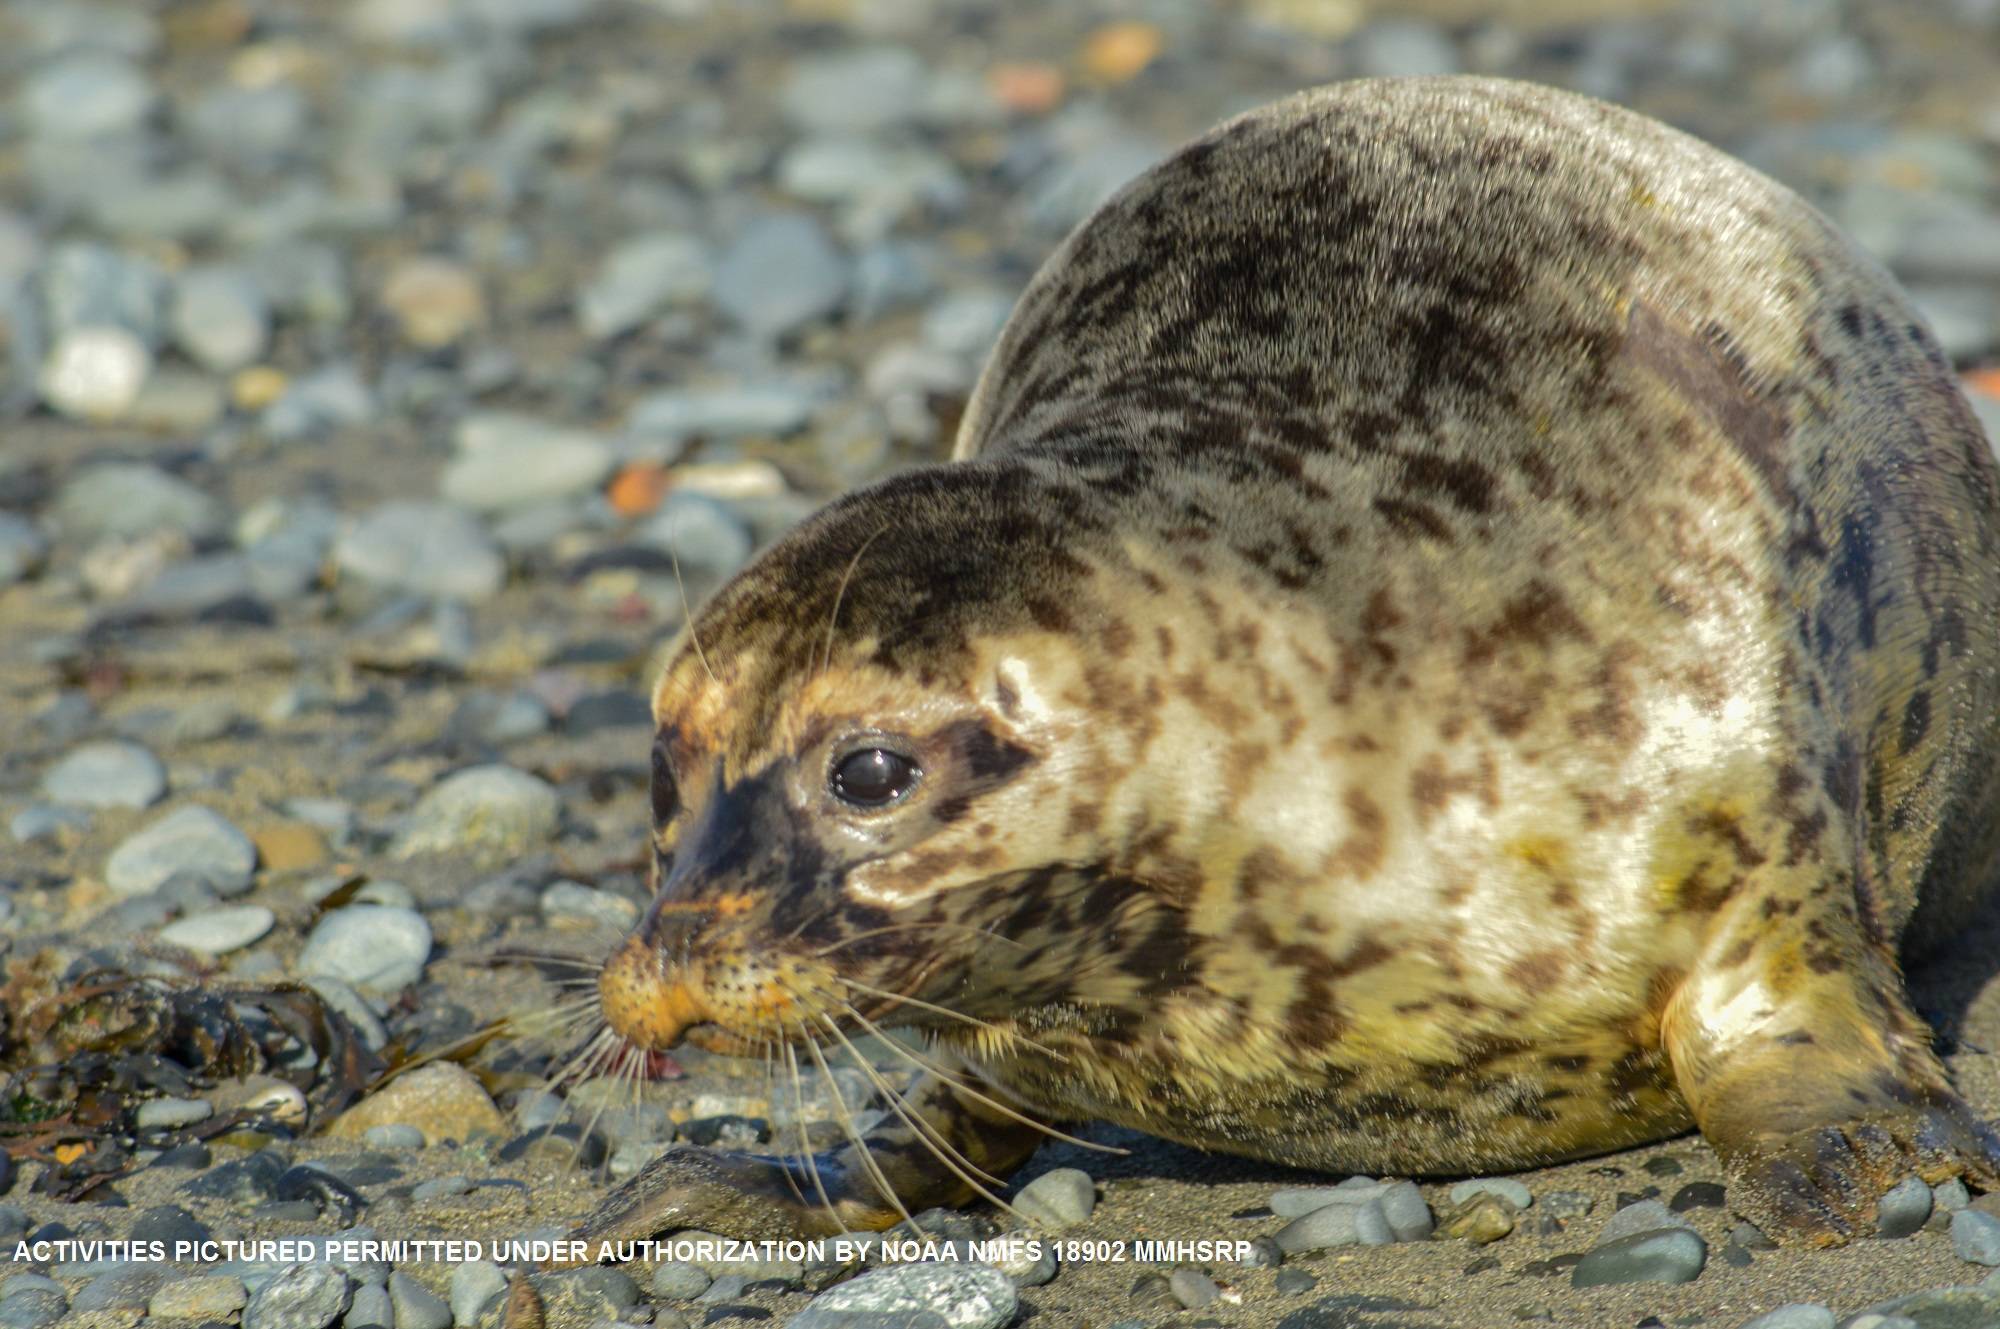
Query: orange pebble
[
  {"x": 637, "y": 489},
  {"x": 1119, "y": 51},
  {"x": 1030, "y": 86}
]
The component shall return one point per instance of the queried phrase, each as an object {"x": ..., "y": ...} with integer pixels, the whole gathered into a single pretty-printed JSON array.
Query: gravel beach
[{"x": 379, "y": 384}]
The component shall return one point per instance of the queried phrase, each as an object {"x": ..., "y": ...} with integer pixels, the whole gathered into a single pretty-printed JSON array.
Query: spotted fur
[{"x": 1459, "y": 635}]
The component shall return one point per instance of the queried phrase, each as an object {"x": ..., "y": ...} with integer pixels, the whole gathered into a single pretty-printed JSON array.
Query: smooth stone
[
  {"x": 300, "y": 1296},
  {"x": 1937, "y": 1308},
  {"x": 416, "y": 1306},
  {"x": 220, "y": 318},
  {"x": 435, "y": 301},
  {"x": 490, "y": 811},
  {"x": 576, "y": 904},
  {"x": 320, "y": 402},
  {"x": 368, "y": 946},
  {"x": 200, "y": 1297},
  {"x": 84, "y": 95},
  {"x": 1950, "y": 1195},
  {"x": 1193, "y": 1288},
  {"x": 640, "y": 278},
  {"x": 371, "y": 1309},
  {"x": 1798, "y": 1315},
  {"x": 704, "y": 536},
  {"x": 90, "y": 285},
  {"x": 108, "y": 774},
  {"x": 1298, "y": 1201},
  {"x": 23, "y": 548},
  {"x": 507, "y": 461},
  {"x": 859, "y": 90},
  {"x": 129, "y": 500},
  {"x": 126, "y": 1288},
  {"x": 168, "y": 1223},
  {"x": 220, "y": 931},
  {"x": 429, "y": 549},
  {"x": 1337, "y": 1225},
  {"x": 39, "y": 820},
  {"x": 780, "y": 272},
  {"x": 679, "y": 1280},
  {"x": 1975, "y": 1235},
  {"x": 170, "y": 1113},
  {"x": 191, "y": 839},
  {"x": 94, "y": 373},
  {"x": 1408, "y": 1213},
  {"x": 1904, "y": 1209},
  {"x": 1673, "y": 1255},
  {"x": 1058, "y": 1199},
  {"x": 474, "y": 1284},
  {"x": 1513, "y": 1192},
  {"x": 965, "y": 1296},
  {"x": 177, "y": 401},
  {"x": 772, "y": 408},
  {"x": 1644, "y": 1216},
  {"x": 32, "y": 1307},
  {"x": 442, "y": 1100}
]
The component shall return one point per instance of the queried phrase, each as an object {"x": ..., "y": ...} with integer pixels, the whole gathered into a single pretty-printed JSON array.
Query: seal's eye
[
  {"x": 666, "y": 795},
  {"x": 873, "y": 777}
]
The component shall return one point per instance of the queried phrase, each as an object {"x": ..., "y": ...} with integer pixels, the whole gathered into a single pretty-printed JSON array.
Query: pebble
[
  {"x": 416, "y": 1306},
  {"x": 1950, "y": 1195},
  {"x": 641, "y": 278},
  {"x": 435, "y": 301},
  {"x": 191, "y": 839},
  {"x": 427, "y": 549},
  {"x": 95, "y": 373},
  {"x": 168, "y": 1223},
  {"x": 965, "y": 1296},
  {"x": 1294, "y": 1282},
  {"x": 22, "y": 548},
  {"x": 1798, "y": 1315},
  {"x": 1938, "y": 1308},
  {"x": 1057, "y": 1199},
  {"x": 1904, "y": 1209},
  {"x": 474, "y": 1284},
  {"x": 772, "y": 408},
  {"x": 1193, "y": 1288},
  {"x": 489, "y": 812},
  {"x": 1513, "y": 1192},
  {"x": 126, "y": 1288},
  {"x": 109, "y": 774},
  {"x": 1671, "y": 1255},
  {"x": 1409, "y": 1215},
  {"x": 129, "y": 499},
  {"x": 370, "y": 1309},
  {"x": 1975, "y": 1235},
  {"x": 857, "y": 91},
  {"x": 780, "y": 273},
  {"x": 442, "y": 1100},
  {"x": 576, "y": 905},
  {"x": 35, "y": 1307},
  {"x": 394, "y": 1135},
  {"x": 170, "y": 1113},
  {"x": 200, "y": 1297},
  {"x": 85, "y": 95},
  {"x": 220, "y": 318},
  {"x": 1643, "y": 1216},
  {"x": 326, "y": 400},
  {"x": 679, "y": 1280},
  {"x": 1337, "y": 1225},
  {"x": 703, "y": 535},
  {"x": 1482, "y": 1219},
  {"x": 301, "y": 1296},
  {"x": 1698, "y": 1195},
  {"x": 372, "y": 947}
]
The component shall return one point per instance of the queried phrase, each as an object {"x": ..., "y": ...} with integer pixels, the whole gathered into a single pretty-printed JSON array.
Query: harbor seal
[{"x": 1459, "y": 634}]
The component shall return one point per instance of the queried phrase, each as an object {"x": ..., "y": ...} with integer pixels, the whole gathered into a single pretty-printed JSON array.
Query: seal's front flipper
[
  {"x": 1797, "y": 1050},
  {"x": 939, "y": 1160}
]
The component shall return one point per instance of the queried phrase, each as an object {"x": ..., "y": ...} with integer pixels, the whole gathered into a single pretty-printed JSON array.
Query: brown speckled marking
[{"x": 1460, "y": 635}]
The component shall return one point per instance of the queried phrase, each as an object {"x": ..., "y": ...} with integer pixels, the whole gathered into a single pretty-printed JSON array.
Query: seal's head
[{"x": 858, "y": 748}]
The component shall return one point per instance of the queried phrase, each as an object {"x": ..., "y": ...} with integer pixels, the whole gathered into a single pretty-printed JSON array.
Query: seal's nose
[{"x": 649, "y": 1008}]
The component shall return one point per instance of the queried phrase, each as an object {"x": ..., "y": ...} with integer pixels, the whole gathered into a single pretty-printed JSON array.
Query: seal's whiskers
[
  {"x": 846, "y": 1119},
  {"x": 986, "y": 1026}
]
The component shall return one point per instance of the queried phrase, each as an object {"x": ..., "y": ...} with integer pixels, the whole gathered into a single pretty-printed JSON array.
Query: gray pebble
[
  {"x": 1337, "y": 1225},
  {"x": 394, "y": 1135},
  {"x": 126, "y": 1288},
  {"x": 1644, "y": 1216},
  {"x": 442, "y": 1188},
  {"x": 1408, "y": 1214},
  {"x": 171, "y": 1113},
  {"x": 192, "y": 839},
  {"x": 1193, "y": 1288},
  {"x": 220, "y": 931},
  {"x": 640, "y": 278},
  {"x": 346, "y": 1001},
  {"x": 201, "y": 1297},
  {"x": 1294, "y": 1282},
  {"x": 767, "y": 408},
  {"x": 430, "y": 549},
  {"x": 1673, "y": 1255},
  {"x": 859, "y": 90},
  {"x": 368, "y": 946},
  {"x": 301, "y": 1296},
  {"x": 129, "y": 500},
  {"x": 328, "y": 399},
  {"x": 87, "y": 94},
  {"x": 966, "y": 1296},
  {"x": 32, "y": 1307},
  {"x": 1950, "y": 1195},
  {"x": 1297, "y": 1201},
  {"x": 1904, "y": 1209},
  {"x": 39, "y": 820},
  {"x": 95, "y": 372},
  {"x": 679, "y": 1280},
  {"x": 473, "y": 1285},
  {"x": 579, "y": 905},
  {"x": 93, "y": 285},
  {"x": 370, "y": 1309},
  {"x": 1975, "y": 1235},
  {"x": 417, "y": 1307},
  {"x": 487, "y": 811},
  {"x": 108, "y": 774},
  {"x": 780, "y": 272},
  {"x": 1058, "y": 1199},
  {"x": 704, "y": 535},
  {"x": 1513, "y": 1192},
  {"x": 168, "y": 1223},
  {"x": 220, "y": 317},
  {"x": 22, "y": 548},
  {"x": 508, "y": 461},
  {"x": 1798, "y": 1315}
]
